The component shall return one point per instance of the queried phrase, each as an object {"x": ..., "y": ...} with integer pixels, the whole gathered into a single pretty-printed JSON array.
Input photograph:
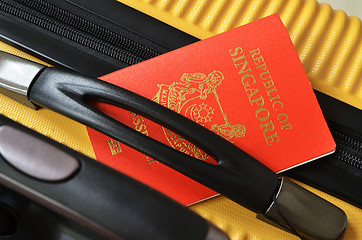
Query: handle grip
[
  {"x": 88, "y": 193},
  {"x": 237, "y": 175}
]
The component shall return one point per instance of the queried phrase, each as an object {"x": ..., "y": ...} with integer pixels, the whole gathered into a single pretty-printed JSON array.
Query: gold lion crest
[{"x": 195, "y": 97}]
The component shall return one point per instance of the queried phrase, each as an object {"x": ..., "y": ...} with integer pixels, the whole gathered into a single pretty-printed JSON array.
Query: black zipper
[
  {"x": 139, "y": 51},
  {"x": 69, "y": 26},
  {"x": 349, "y": 158},
  {"x": 347, "y": 140},
  {"x": 348, "y": 154},
  {"x": 79, "y": 30}
]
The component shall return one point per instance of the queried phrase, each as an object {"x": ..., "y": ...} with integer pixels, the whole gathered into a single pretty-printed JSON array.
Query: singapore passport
[{"x": 246, "y": 85}]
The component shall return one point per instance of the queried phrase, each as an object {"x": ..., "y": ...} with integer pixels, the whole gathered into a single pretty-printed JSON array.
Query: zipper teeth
[
  {"x": 69, "y": 33},
  {"x": 347, "y": 140},
  {"x": 91, "y": 28},
  {"x": 349, "y": 158}
]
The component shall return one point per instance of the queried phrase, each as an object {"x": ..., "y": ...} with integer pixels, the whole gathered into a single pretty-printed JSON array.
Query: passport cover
[{"x": 247, "y": 85}]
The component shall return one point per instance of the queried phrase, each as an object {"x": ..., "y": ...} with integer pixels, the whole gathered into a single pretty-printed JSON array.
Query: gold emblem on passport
[
  {"x": 195, "y": 97},
  {"x": 114, "y": 146}
]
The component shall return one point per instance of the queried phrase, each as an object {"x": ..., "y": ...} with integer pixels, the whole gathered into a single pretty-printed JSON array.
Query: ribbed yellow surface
[{"x": 329, "y": 43}]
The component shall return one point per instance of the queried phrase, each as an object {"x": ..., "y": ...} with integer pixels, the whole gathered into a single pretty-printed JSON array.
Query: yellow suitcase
[{"x": 327, "y": 41}]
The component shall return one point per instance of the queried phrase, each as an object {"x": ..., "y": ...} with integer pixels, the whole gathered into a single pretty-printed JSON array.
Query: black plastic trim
[{"x": 121, "y": 208}]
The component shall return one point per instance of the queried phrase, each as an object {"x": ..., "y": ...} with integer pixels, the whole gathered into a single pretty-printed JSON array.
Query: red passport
[{"x": 247, "y": 85}]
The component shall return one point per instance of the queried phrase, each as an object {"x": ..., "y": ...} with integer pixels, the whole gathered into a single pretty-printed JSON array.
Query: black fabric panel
[{"x": 336, "y": 181}]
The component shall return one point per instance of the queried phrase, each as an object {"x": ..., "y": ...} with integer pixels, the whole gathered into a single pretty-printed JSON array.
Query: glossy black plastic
[
  {"x": 97, "y": 200},
  {"x": 237, "y": 175}
]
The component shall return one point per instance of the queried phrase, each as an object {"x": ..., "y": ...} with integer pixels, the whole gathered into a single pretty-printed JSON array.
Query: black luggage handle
[
  {"x": 102, "y": 202},
  {"x": 237, "y": 172}
]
